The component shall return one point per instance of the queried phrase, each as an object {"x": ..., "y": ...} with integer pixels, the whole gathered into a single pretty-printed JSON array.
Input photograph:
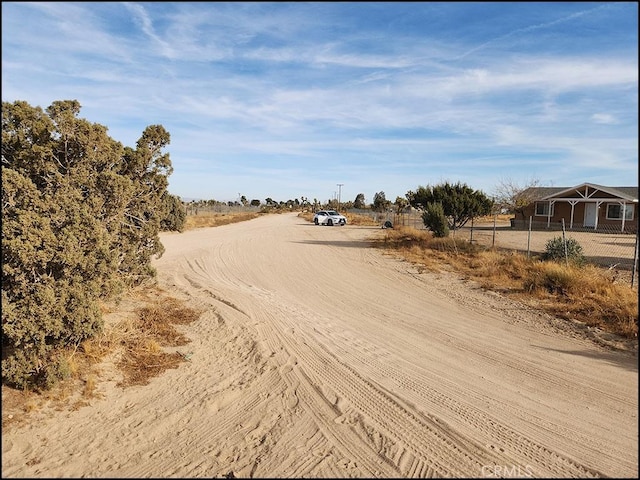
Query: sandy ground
[{"x": 316, "y": 356}]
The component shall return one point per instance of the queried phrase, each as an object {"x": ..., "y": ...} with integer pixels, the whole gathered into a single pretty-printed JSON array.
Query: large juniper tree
[
  {"x": 460, "y": 203},
  {"x": 80, "y": 221}
]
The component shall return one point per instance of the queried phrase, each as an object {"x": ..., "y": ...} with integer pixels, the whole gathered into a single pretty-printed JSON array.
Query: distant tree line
[
  {"x": 81, "y": 215},
  {"x": 444, "y": 207}
]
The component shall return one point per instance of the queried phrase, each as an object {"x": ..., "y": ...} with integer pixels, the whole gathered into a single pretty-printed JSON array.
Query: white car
[{"x": 329, "y": 217}]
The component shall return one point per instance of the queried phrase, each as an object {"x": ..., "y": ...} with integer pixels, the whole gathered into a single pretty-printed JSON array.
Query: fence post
[
  {"x": 493, "y": 242},
  {"x": 564, "y": 244},
  {"x": 471, "y": 237},
  {"x": 529, "y": 239},
  {"x": 635, "y": 261}
]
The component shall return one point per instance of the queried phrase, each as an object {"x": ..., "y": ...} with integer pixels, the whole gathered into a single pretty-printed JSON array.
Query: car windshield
[{"x": 332, "y": 212}]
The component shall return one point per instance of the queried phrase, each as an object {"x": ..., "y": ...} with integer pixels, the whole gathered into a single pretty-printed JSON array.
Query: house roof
[{"x": 548, "y": 193}]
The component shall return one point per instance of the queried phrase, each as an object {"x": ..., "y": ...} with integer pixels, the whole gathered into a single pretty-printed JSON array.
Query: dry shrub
[
  {"x": 401, "y": 238},
  {"x": 90, "y": 387},
  {"x": 453, "y": 245},
  {"x": 307, "y": 215},
  {"x": 140, "y": 366},
  {"x": 143, "y": 340},
  {"x": 94, "y": 349},
  {"x": 550, "y": 277},
  {"x": 31, "y": 406},
  {"x": 587, "y": 294},
  {"x": 412, "y": 245},
  {"x": 152, "y": 321}
]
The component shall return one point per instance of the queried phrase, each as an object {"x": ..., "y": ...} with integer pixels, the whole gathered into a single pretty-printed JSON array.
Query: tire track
[
  {"x": 514, "y": 447},
  {"x": 505, "y": 445},
  {"x": 429, "y": 446}
]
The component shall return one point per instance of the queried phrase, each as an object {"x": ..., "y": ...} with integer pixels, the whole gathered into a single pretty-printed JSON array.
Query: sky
[{"x": 328, "y": 100}]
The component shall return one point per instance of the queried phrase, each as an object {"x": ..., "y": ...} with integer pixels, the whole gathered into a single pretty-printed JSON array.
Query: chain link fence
[
  {"x": 204, "y": 209},
  {"x": 607, "y": 246}
]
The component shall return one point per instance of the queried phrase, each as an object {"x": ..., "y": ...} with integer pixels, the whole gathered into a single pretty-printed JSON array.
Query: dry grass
[
  {"x": 143, "y": 340},
  {"x": 216, "y": 219},
  {"x": 588, "y": 294},
  {"x": 358, "y": 219}
]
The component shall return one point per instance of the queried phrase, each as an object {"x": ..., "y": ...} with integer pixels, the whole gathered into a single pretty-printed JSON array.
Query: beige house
[{"x": 587, "y": 207}]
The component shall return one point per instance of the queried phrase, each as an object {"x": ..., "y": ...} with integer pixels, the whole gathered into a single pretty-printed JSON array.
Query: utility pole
[{"x": 339, "y": 193}]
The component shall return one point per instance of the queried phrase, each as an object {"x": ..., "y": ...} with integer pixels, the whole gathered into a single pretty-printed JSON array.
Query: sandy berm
[{"x": 319, "y": 356}]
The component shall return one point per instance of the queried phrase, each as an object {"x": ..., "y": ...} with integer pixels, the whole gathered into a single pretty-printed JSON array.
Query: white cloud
[
  {"x": 604, "y": 118},
  {"x": 409, "y": 94}
]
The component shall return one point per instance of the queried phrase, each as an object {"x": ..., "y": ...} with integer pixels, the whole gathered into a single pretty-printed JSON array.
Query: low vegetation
[
  {"x": 571, "y": 290},
  {"x": 137, "y": 348}
]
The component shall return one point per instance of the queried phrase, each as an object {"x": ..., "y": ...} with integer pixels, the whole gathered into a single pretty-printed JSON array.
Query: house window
[
  {"x": 615, "y": 211},
  {"x": 542, "y": 209}
]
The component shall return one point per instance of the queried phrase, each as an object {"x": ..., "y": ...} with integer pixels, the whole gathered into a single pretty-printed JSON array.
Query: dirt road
[{"x": 319, "y": 357}]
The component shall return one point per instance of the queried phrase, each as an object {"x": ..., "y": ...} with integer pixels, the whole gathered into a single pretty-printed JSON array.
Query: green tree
[
  {"x": 80, "y": 222},
  {"x": 380, "y": 202},
  {"x": 147, "y": 169},
  {"x": 460, "y": 203},
  {"x": 359, "y": 201}
]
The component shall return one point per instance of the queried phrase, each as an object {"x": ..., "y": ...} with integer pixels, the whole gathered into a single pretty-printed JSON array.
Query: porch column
[
  {"x": 624, "y": 214},
  {"x": 573, "y": 204},
  {"x": 551, "y": 202},
  {"x": 595, "y": 227}
]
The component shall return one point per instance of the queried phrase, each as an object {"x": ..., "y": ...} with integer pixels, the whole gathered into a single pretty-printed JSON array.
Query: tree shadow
[
  {"x": 625, "y": 359},
  {"x": 339, "y": 243}
]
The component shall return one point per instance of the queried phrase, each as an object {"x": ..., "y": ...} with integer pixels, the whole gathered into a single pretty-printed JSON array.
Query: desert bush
[
  {"x": 555, "y": 250},
  {"x": 81, "y": 216}
]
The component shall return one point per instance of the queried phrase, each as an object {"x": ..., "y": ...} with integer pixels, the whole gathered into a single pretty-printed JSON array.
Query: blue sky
[{"x": 290, "y": 99}]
